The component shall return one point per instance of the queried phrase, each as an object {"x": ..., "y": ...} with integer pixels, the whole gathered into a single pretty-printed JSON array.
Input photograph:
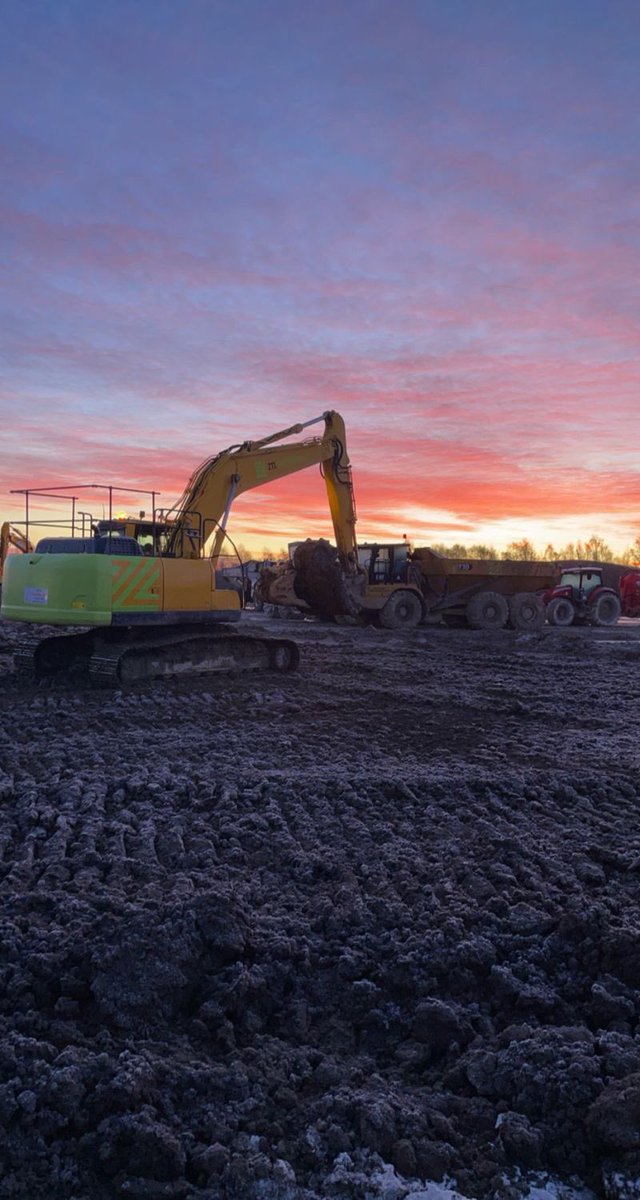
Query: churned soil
[{"x": 343, "y": 933}]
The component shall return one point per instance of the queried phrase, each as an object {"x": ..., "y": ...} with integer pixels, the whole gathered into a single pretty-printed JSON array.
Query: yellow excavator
[{"x": 144, "y": 615}]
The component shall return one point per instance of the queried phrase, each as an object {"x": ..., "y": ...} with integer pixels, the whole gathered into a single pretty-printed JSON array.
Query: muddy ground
[{"x": 333, "y": 934}]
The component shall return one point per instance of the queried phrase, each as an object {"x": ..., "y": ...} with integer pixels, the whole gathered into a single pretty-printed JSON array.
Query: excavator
[{"x": 130, "y": 615}]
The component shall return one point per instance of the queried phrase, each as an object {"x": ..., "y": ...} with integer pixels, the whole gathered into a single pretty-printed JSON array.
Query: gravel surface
[{"x": 334, "y": 934}]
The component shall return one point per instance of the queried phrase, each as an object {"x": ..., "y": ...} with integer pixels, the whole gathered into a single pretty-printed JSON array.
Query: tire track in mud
[
  {"x": 358, "y": 932},
  {"x": 249, "y": 927}
]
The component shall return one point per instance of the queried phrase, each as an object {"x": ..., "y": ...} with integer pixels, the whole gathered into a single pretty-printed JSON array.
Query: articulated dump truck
[
  {"x": 398, "y": 587},
  {"x": 484, "y": 593}
]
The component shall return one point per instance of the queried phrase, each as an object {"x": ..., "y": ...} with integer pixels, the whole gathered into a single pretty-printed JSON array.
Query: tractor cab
[
  {"x": 577, "y": 583},
  {"x": 583, "y": 597}
]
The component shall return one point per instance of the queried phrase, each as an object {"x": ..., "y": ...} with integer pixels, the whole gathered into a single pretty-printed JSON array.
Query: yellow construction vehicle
[
  {"x": 400, "y": 586},
  {"x": 12, "y": 539},
  {"x": 381, "y": 588},
  {"x": 145, "y": 615}
]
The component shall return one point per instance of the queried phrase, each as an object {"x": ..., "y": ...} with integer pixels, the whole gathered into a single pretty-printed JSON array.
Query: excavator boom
[{"x": 203, "y": 511}]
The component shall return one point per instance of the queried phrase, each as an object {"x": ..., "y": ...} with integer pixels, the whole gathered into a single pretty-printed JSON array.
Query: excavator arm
[{"x": 201, "y": 515}]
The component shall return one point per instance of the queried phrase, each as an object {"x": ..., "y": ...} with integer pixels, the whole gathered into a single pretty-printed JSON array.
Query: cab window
[{"x": 591, "y": 580}]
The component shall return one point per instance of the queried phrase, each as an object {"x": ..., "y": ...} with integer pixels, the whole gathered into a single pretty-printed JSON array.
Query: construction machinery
[
  {"x": 399, "y": 587},
  {"x": 165, "y": 613},
  {"x": 484, "y": 593},
  {"x": 315, "y": 580},
  {"x": 12, "y": 540},
  {"x": 594, "y": 594}
]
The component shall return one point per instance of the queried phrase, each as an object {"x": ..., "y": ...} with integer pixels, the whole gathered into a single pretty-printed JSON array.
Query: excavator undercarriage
[{"x": 121, "y": 656}]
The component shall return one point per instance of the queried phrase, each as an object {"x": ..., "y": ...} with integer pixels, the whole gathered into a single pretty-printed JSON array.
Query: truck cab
[{"x": 385, "y": 562}]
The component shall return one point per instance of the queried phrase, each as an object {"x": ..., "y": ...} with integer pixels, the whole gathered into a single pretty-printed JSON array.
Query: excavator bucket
[{"x": 320, "y": 581}]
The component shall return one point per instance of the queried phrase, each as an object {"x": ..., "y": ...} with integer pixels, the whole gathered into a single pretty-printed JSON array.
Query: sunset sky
[{"x": 224, "y": 216}]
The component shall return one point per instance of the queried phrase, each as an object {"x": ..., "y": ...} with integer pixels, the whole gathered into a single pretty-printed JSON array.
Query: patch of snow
[
  {"x": 621, "y": 1187},
  {"x": 546, "y": 1187}
]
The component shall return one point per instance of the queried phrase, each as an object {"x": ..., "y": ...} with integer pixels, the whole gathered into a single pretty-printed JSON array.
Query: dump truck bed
[{"x": 449, "y": 583}]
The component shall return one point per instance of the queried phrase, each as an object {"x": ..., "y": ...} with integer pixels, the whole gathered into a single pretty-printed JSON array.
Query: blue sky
[{"x": 220, "y": 218}]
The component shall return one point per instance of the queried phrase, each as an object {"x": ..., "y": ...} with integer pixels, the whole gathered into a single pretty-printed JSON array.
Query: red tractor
[{"x": 594, "y": 594}]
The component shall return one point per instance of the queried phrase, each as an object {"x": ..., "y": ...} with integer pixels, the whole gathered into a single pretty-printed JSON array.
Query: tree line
[{"x": 594, "y": 549}]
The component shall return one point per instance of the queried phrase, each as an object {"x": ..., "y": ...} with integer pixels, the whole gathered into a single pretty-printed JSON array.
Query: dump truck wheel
[
  {"x": 606, "y": 609},
  {"x": 560, "y": 612},
  {"x": 403, "y": 610},
  {"x": 487, "y": 610},
  {"x": 526, "y": 611}
]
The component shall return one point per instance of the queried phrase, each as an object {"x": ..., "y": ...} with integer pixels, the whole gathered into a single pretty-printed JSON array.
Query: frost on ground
[{"x": 366, "y": 931}]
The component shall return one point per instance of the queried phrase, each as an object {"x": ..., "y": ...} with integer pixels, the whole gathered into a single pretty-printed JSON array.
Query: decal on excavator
[
  {"x": 33, "y": 595},
  {"x": 135, "y": 584},
  {"x": 263, "y": 468}
]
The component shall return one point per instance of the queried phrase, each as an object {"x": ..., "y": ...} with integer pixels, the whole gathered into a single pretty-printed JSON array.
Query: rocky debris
[{"x": 361, "y": 933}]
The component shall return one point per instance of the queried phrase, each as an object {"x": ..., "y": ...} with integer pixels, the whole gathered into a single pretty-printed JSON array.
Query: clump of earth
[{"x": 368, "y": 930}]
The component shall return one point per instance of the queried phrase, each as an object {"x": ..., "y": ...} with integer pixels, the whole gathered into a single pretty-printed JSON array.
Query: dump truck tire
[
  {"x": 403, "y": 610},
  {"x": 560, "y": 612},
  {"x": 487, "y": 610},
  {"x": 606, "y": 609},
  {"x": 526, "y": 611}
]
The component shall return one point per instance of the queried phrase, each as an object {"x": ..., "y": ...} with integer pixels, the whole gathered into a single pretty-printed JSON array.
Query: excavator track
[
  {"x": 54, "y": 655},
  {"x": 98, "y": 658},
  {"x": 24, "y": 655},
  {"x": 190, "y": 654}
]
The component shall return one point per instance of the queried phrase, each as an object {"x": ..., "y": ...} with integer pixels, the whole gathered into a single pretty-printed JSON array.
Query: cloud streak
[{"x": 217, "y": 224}]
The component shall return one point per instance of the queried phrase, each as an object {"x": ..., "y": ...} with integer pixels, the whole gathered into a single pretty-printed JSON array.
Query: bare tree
[
  {"x": 522, "y": 551},
  {"x": 597, "y": 549},
  {"x": 632, "y": 553},
  {"x": 481, "y": 551}
]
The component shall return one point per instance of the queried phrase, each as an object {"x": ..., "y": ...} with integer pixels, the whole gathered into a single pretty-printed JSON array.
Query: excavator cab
[{"x": 150, "y": 535}]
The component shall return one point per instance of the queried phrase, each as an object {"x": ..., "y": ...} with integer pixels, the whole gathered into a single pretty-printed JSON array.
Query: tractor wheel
[
  {"x": 403, "y": 610},
  {"x": 560, "y": 612},
  {"x": 487, "y": 610},
  {"x": 606, "y": 609},
  {"x": 526, "y": 611}
]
